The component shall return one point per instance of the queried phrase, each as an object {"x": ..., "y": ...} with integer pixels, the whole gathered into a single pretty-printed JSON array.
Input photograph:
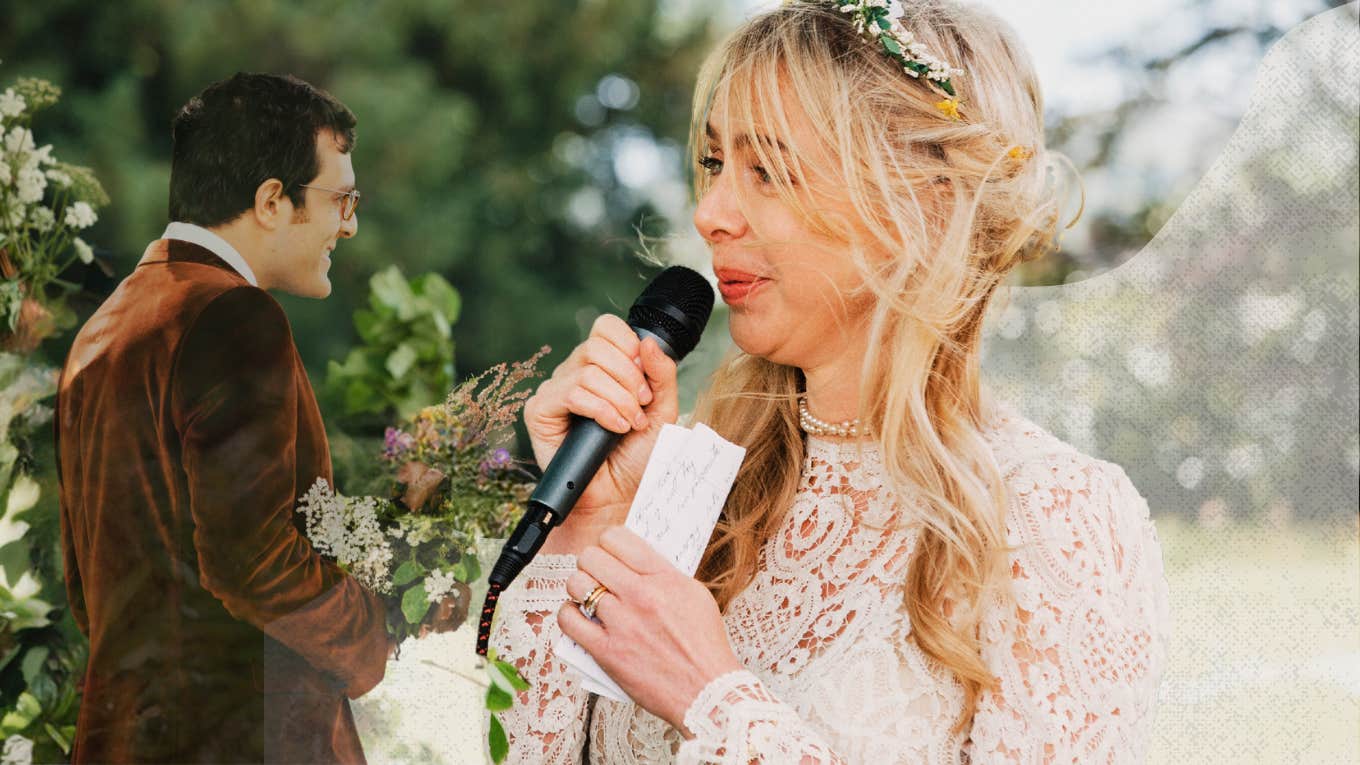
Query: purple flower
[
  {"x": 499, "y": 460},
  {"x": 397, "y": 442}
]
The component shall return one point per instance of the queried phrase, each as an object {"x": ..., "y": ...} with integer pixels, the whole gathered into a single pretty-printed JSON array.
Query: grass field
[{"x": 1265, "y": 654}]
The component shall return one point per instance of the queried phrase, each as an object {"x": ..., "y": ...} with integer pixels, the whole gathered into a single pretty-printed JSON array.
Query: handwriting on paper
[{"x": 683, "y": 488}]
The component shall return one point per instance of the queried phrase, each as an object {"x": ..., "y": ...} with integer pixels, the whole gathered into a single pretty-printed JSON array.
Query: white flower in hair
[{"x": 880, "y": 20}]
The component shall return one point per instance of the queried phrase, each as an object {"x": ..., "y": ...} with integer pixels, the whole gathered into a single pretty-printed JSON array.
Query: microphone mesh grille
[{"x": 687, "y": 292}]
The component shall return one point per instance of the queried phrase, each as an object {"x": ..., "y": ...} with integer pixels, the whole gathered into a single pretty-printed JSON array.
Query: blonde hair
[{"x": 943, "y": 211}]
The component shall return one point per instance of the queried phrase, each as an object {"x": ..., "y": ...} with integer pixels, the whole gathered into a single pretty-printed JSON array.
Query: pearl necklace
[{"x": 815, "y": 427}]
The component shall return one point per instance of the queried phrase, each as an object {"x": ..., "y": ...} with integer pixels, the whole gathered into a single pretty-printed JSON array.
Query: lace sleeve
[
  {"x": 1080, "y": 652},
  {"x": 547, "y": 724},
  {"x": 736, "y": 720}
]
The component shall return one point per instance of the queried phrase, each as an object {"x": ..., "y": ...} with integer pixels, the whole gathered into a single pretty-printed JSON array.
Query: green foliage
[
  {"x": 479, "y": 126},
  {"x": 505, "y": 680},
  {"x": 407, "y": 572},
  {"x": 38, "y": 697},
  {"x": 497, "y": 741},
  {"x": 406, "y": 360},
  {"x": 506, "y": 677},
  {"x": 446, "y": 484},
  {"x": 40, "y": 662},
  {"x": 414, "y": 604}
]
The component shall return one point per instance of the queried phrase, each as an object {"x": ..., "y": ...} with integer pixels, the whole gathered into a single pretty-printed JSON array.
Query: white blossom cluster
[
  {"x": 439, "y": 584},
  {"x": 18, "y": 750},
  {"x": 23, "y": 165},
  {"x": 347, "y": 529},
  {"x": 912, "y": 51},
  {"x": 11, "y": 104},
  {"x": 25, "y": 173},
  {"x": 80, "y": 215}
]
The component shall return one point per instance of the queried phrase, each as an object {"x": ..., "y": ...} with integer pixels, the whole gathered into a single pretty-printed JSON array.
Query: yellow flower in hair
[
  {"x": 949, "y": 107},
  {"x": 1020, "y": 153}
]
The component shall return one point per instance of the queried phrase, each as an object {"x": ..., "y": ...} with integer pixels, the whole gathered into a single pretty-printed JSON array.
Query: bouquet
[
  {"x": 451, "y": 482},
  {"x": 43, "y": 203}
]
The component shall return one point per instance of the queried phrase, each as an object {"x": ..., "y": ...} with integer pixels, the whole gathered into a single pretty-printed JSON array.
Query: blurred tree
[
  {"x": 486, "y": 148},
  {"x": 1164, "y": 95}
]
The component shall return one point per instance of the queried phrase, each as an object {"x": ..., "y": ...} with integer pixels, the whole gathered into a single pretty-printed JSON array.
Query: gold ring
[{"x": 592, "y": 600}]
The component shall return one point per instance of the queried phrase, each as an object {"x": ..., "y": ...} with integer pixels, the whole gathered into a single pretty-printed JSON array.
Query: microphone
[{"x": 672, "y": 310}]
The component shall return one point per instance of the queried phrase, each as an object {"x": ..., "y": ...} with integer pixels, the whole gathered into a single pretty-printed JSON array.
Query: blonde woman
[{"x": 904, "y": 572}]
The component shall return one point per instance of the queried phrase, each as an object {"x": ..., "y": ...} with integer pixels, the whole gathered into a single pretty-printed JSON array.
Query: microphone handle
[
  {"x": 582, "y": 453},
  {"x": 571, "y": 469}
]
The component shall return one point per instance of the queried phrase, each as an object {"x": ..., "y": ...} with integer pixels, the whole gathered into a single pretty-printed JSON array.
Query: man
[{"x": 186, "y": 431}]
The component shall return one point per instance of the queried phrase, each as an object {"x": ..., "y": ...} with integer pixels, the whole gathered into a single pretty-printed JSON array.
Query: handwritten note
[{"x": 683, "y": 489}]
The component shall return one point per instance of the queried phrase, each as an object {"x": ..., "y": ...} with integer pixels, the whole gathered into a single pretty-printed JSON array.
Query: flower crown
[{"x": 875, "y": 20}]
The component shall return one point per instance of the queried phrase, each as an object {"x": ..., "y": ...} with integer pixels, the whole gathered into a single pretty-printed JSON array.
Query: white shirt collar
[{"x": 195, "y": 234}]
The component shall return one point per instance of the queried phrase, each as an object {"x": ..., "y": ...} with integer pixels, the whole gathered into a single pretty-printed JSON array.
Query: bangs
[{"x": 750, "y": 94}]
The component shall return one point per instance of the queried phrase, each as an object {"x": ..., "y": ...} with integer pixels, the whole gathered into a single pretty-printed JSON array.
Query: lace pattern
[
  {"x": 547, "y": 722},
  {"x": 822, "y": 631}
]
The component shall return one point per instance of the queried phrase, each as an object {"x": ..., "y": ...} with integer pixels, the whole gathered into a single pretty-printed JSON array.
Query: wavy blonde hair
[{"x": 943, "y": 210}]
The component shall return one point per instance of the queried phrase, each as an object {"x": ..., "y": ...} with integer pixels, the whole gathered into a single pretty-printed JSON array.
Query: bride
[{"x": 905, "y": 571}]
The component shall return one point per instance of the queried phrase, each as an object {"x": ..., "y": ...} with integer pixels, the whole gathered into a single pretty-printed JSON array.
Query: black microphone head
[{"x": 675, "y": 306}]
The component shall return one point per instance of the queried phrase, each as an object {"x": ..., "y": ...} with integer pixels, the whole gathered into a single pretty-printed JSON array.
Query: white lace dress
[{"x": 831, "y": 676}]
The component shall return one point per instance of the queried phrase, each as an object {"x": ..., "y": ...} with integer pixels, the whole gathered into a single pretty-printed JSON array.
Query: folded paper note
[{"x": 683, "y": 489}]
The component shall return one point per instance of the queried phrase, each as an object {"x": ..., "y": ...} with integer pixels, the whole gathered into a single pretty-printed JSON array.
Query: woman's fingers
[
  {"x": 614, "y": 346},
  {"x": 626, "y": 408},
  {"x": 604, "y": 367},
  {"x": 579, "y": 585},
  {"x": 575, "y": 625},
  {"x": 607, "y": 570},
  {"x": 633, "y": 551},
  {"x": 659, "y": 370}
]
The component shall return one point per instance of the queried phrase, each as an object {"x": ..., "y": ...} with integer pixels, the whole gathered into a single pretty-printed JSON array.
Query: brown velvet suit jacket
[{"x": 186, "y": 431}]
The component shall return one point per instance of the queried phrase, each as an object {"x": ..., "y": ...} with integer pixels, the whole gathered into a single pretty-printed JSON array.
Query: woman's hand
[
  {"x": 625, "y": 385},
  {"x": 659, "y": 636}
]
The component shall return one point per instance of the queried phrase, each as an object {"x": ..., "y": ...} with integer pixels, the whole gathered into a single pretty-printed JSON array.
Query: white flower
[
  {"x": 41, "y": 156},
  {"x": 11, "y": 104},
  {"x": 14, "y": 216},
  {"x": 80, "y": 215},
  {"x": 30, "y": 185},
  {"x": 5, "y": 174},
  {"x": 438, "y": 584},
  {"x": 347, "y": 529},
  {"x": 18, "y": 751},
  {"x": 19, "y": 141},
  {"x": 58, "y": 177},
  {"x": 41, "y": 218},
  {"x": 83, "y": 251}
]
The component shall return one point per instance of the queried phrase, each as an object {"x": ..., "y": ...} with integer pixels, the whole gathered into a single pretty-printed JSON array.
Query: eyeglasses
[{"x": 349, "y": 201}]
